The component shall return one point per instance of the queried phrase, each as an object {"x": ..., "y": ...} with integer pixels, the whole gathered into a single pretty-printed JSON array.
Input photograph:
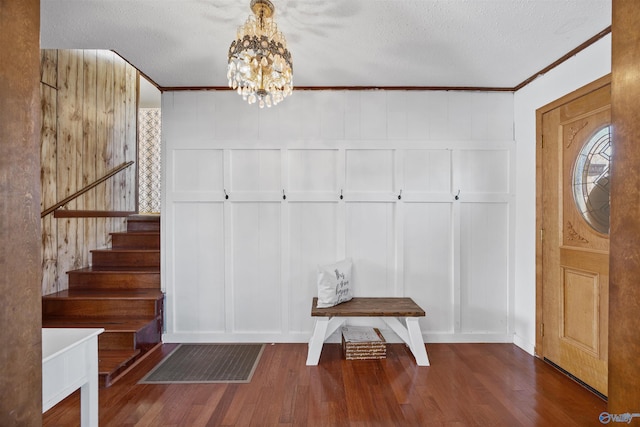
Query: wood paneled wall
[{"x": 89, "y": 104}]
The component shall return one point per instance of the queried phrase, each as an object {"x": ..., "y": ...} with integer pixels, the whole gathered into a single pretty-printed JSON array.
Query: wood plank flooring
[{"x": 466, "y": 385}]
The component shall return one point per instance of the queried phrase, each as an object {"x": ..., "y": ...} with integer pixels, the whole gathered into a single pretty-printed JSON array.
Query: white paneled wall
[{"x": 255, "y": 199}]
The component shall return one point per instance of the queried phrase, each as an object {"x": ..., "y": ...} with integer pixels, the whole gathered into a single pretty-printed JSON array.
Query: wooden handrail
[
  {"x": 86, "y": 188},
  {"x": 68, "y": 213}
]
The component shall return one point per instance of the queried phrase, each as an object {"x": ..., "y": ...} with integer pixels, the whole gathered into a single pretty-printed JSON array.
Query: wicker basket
[{"x": 356, "y": 349}]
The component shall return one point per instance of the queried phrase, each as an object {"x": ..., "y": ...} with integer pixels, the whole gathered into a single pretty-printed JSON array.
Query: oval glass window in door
[{"x": 591, "y": 184}]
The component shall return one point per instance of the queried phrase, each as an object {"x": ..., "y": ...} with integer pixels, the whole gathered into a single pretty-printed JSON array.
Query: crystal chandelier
[{"x": 260, "y": 65}]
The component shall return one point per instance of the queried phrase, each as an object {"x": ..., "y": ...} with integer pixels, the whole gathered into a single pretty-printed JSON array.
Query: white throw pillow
[{"x": 334, "y": 283}]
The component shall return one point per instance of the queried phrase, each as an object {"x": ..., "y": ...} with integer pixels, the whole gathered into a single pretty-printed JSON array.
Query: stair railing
[{"x": 86, "y": 188}]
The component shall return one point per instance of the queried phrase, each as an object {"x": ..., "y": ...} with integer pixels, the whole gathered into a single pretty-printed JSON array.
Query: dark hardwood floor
[{"x": 466, "y": 385}]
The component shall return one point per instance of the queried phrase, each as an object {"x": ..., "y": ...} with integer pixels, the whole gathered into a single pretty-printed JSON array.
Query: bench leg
[
  {"x": 398, "y": 328},
  {"x": 417, "y": 342},
  {"x": 324, "y": 327},
  {"x": 412, "y": 336}
]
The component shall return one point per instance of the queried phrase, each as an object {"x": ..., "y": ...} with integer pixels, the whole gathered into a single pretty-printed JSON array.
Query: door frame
[{"x": 590, "y": 87}]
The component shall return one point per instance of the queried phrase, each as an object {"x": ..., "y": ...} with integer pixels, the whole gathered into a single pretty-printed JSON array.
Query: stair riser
[
  {"x": 125, "y": 259},
  {"x": 135, "y": 241},
  {"x": 91, "y": 307},
  {"x": 108, "y": 378},
  {"x": 133, "y": 225},
  {"x": 116, "y": 341},
  {"x": 150, "y": 336},
  {"x": 114, "y": 280},
  {"x": 144, "y": 339}
]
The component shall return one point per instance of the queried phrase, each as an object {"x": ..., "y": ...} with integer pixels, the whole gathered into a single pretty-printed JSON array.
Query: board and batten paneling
[
  {"x": 415, "y": 187},
  {"x": 313, "y": 241},
  {"x": 89, "y": 100},
  {"x": 256, "y": 267},
  {"x": 199, "y": 267}
]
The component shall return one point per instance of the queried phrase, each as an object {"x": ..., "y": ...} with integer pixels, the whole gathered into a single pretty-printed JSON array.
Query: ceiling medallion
[{"x": 260, "y": 66}]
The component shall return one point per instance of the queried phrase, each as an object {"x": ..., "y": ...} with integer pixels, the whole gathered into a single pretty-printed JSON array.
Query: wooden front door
[{"x": 573, "y": 220}]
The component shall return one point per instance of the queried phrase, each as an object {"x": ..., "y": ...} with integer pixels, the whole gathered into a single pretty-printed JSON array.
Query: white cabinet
[{"x": 70, "y": 362}]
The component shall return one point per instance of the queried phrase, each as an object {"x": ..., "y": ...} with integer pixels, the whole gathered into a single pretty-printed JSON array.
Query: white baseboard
[
  {"x": 524, "y": 344},
  {"x": 303, "y": 337},
  {"x": 235, "y": 337}
]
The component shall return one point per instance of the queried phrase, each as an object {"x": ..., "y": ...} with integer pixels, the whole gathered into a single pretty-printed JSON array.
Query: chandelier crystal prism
[{"x": 260, "y": 66}]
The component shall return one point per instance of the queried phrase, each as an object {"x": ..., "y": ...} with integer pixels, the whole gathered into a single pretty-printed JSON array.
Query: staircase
[{"x": 121, "y": 293}]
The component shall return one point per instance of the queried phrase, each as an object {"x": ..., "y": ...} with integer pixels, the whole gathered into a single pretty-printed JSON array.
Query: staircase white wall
[{"x": 244, "y": 268}]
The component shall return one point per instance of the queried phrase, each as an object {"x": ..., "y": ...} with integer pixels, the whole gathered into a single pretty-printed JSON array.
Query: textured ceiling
[{"x": 454, "y": 43}]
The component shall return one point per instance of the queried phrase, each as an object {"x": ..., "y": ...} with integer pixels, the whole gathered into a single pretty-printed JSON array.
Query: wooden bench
[{"x": 328, "y": 320}]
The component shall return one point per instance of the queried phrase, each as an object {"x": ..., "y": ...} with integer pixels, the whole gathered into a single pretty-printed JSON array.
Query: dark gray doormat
[{"x": 207, "y": 363}]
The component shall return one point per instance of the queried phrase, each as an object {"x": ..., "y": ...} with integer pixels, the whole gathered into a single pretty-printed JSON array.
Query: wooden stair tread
[
  {"x": 136, "y": 232},
  {"x": 144, "y": 217},
  {"x": 134, "y": 293},
  {"x": 126, "y": 257},
  {"x": 143, "y": 222},
  {"x": 110, "y": 361},
  {"x": 116, "y": 269},
  {"x": 109, "y": 323},
  {"x": 135, "y": 240},
  {"x": 125, "y": 250}
]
